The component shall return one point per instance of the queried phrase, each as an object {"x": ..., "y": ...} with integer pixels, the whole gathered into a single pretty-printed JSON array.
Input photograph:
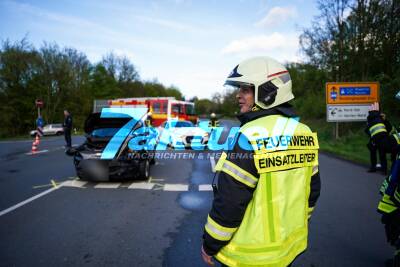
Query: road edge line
[{"x": 20, "y": 204}]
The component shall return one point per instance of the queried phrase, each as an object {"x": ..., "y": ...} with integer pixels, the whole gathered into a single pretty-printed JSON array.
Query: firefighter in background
[
  {"x": 389, "y": 206},
  {"x": 149, "y": 120},
  {"x": 152, "y": 135},
  {"x": 213, "y": 124},
  {"x": 259, "y": 215},
  {"x": 374, "y": 148}
]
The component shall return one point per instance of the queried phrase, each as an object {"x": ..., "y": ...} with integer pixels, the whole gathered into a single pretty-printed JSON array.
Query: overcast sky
[{"x": 190, "y": 44}]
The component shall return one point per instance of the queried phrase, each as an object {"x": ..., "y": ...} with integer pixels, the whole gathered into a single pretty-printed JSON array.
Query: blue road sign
[{"x": 355, "y": 91}]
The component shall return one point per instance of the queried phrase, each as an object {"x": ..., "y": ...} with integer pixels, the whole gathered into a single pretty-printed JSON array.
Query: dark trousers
[
  {"x": 67, "y": 135},
  {"x": 373, "y": 148},
  {"x": 393, "y": 154}
]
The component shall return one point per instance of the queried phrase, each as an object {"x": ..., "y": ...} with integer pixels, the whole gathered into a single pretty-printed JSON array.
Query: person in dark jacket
[
  {"x": 382, "y": 150},
  {"x": 67, "y": 125}
]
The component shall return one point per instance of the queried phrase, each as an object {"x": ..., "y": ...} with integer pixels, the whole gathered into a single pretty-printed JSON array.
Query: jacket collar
[{"x": 284, "y": 109}]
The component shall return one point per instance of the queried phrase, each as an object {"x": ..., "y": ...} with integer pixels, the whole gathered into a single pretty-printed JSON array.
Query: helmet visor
[{"x": 237, "y": 84}]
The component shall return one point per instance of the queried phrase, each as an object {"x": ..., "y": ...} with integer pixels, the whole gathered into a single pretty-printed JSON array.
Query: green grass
[{"x": 351, "y": 144}]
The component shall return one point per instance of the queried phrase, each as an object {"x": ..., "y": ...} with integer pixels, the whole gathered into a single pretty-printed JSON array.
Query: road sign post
[
  {"x": 349, "y": 101},
  {"x": 39, "y": 104}
]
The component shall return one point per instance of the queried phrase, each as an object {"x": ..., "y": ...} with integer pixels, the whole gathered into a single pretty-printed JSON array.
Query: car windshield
[
  {"x": 182, "y": 124},
  {"x": 104, "y": 132}
]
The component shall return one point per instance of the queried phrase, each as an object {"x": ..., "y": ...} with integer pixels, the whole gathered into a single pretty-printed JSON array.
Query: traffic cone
[
  {"x": 34, "y": 147},
  {"x": 37, "y": 140}
]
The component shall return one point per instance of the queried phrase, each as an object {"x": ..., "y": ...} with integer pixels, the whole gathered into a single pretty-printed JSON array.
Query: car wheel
[
  {"x": 144, "y": 170},
  {"x": 59, "y": 133}
]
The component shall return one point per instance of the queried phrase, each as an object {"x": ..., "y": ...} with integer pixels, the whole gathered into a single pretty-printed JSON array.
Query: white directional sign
[{"x": 337, "y": 113}]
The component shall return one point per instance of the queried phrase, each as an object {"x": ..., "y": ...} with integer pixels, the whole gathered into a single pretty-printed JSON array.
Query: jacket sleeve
[
  {"x": 388, "y": 125},
  {"x": 236, "y": 182},
  {"x": 315, "y": 190},
  {"x": 390, "y": 190}
]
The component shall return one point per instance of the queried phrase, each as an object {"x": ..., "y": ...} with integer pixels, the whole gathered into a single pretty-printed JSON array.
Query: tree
[
  {"x": 355, "y": 41},
  {"x": 64, "y": 79},
  {"x": 204, "y": 106},
  {"x": 324, "y": 43},
  {"x": 120, "y": 68},
  {"x": 18, "y": 70}
]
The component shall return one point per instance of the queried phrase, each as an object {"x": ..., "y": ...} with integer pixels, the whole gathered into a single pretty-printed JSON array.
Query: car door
[{"x": 46, "y": 130}]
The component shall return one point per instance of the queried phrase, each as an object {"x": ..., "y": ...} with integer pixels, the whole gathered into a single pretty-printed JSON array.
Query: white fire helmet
[
  {"x": 213, "y": 115},
  {"x": 270, "y": 79}
]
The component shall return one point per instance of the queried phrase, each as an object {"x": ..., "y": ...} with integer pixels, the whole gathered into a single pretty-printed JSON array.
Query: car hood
[
  {"x": 94, "y": 121},
  {"x": 188, "y": 131}
]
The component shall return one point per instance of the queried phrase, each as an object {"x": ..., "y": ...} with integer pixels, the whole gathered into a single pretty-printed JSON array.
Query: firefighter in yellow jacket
[
  {"x": 214, "y": 122},
  {"x": 268, "y": 184},
  {"x": 389, "y": 205}
]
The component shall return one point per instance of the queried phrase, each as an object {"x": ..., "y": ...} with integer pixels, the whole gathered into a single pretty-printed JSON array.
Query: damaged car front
[{"x": 106, "y": 155}]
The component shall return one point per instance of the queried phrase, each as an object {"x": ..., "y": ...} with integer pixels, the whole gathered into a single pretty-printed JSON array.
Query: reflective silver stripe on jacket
[
  {"x": 218, "y": 232},
  {"x": 240, "y": 174},
  {"x": 380, "y": 127}
]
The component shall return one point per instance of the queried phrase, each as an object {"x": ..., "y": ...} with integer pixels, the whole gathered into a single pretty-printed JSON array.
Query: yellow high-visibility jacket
[{"x": 274, "y": 227}]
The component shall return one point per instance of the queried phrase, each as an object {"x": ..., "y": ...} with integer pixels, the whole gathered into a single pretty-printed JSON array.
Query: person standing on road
[
  {"x": 389, "y": 205},
  {"x": 264, "y": 198},
  {"x": 39, "y": 126},
  {"x": 67, "y": 125},
  {"x": 381, "y": 150},
  {"x": 149, "y": 120},
  {"x": 373, "y": 148},
  {"x": 213, "y": 124}
]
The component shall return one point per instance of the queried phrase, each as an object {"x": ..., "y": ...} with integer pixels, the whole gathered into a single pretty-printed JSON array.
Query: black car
[{"x": 125, "y": 164}]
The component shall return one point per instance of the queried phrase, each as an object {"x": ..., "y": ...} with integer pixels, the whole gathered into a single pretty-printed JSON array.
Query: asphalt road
[{"x": 160, "y": 222}]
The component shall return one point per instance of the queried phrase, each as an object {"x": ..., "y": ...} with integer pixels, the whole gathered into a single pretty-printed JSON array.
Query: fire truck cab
[{"x": 161, "y": 108}]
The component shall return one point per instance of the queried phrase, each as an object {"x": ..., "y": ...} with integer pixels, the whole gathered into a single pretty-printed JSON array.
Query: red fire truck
[{"x": 161, "y": 108}]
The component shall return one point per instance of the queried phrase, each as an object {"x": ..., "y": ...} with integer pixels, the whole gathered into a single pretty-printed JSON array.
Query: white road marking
[
  {"x": 16, "y": 206},
  {"x": 37, "y": 152},
  {"x": 146, "y": 186},
  {"x": 212, "y": 160},
  {"x": 108, "y": 185},
  {"x": 176, "y": 187},
  {"x": 81, "y": 184},
  {"x": 74, "y": 183},
  {"x": 205, "y": 187}
]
